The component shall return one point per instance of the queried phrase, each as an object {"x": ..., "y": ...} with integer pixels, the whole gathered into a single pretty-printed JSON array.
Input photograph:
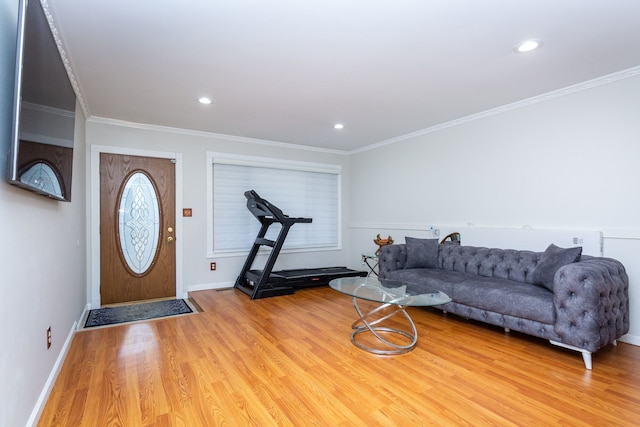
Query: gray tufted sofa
[{"x": 582, "y": 303}]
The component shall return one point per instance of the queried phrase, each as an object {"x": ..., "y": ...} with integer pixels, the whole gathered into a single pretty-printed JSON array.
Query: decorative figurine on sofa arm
[{"x": 382, "y": 242}]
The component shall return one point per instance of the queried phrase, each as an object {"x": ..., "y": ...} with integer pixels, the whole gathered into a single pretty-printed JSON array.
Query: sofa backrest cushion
[
  {"x": 552, "y": 259},
  {"x": 507, "y": 264},
  {"x": 422, "y": 253}
]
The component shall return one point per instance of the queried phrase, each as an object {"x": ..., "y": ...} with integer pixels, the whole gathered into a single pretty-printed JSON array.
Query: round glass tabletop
[{"x": 389, "y": 291}]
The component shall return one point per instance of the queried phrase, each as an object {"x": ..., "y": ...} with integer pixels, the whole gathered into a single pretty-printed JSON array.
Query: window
[{"x": 299, "y": 189}]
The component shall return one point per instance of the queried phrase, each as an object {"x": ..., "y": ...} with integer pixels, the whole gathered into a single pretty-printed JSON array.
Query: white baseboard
[
  {"x": 83, "y": 316},
  {"x": 208, "y": 286},
  {"x": 53, "y": 375},
  {"x": 630, "y": 339}
]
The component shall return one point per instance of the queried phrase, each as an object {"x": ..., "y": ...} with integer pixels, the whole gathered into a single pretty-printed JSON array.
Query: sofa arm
[
  {"x": 591, "y": 299},
  {"x": 392, "y": 257}
]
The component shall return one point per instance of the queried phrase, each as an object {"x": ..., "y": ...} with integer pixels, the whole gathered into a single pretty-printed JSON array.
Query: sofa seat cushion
[
  {"x": 427, "y": 279},
  {"x": 487, "y": 293},
  {"x": 507, "y": 297}
]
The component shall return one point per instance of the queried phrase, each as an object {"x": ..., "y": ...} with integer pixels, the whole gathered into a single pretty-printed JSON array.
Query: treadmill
[{"x": 267, "y": 283}]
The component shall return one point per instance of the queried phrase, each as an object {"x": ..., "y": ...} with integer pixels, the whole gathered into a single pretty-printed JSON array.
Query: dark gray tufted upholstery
[
  {"x": 591, "y": 298},
  {"x": 500, "y": 263},
  {"x": 588, "y": 308}
]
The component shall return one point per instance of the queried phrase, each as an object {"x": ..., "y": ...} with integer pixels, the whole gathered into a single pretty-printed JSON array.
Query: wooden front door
[{"x": 137, "y": 228}]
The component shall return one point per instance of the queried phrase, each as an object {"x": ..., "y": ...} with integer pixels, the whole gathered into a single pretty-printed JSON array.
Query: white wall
[
  {"x": 43, "y": 263},
  {"x": 193, "y": 147},
  {"x": 570, "y": 162}
]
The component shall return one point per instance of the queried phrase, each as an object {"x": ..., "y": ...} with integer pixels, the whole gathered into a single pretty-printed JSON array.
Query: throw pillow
[
  {"x": 552, "y": 259},
  {"x": 421, "y": 253}
]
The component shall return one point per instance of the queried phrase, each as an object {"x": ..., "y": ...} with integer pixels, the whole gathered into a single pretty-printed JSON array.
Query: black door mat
[{"x": 136, "y": 312}]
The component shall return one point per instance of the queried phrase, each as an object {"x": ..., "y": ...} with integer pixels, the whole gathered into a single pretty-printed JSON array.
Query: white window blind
[{"x": 298, "y": 189}]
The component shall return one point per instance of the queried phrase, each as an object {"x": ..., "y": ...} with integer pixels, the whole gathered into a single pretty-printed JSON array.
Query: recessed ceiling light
[
  {"x": 338, "y": 126},
  {"x": 204, "y": 100},
  {"x": 528, "y": 46}
]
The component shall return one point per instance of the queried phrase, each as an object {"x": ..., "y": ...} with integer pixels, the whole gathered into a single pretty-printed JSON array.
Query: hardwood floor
[{"x": 289, "y": 361}]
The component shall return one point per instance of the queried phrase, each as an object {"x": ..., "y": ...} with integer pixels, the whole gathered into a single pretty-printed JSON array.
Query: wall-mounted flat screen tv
[{"x": 41, "y": 153}]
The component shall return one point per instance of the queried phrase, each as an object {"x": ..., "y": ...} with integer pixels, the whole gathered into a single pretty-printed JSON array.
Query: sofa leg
[
  {"x": 507, "y": 330},
  {"x": 586, "y": 355}
]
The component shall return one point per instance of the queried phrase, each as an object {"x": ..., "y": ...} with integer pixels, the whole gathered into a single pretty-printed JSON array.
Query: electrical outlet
[
  {"x": 48, "y": 337},
  {"x": 212, "y": 266}
]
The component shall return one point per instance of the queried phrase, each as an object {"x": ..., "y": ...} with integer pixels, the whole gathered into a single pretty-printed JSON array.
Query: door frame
[{"x": 94, "y": 215}]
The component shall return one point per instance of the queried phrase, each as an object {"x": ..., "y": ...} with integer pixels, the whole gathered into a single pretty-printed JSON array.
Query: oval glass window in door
[{"x": 139, "y": 223}]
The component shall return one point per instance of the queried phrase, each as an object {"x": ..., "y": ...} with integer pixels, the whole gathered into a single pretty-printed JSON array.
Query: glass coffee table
[{"x": 393, "y": 297}]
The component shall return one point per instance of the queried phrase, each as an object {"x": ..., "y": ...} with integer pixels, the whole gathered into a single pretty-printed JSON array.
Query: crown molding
[
  {"x": 600, "y": 81},
  {"x": 231, "y": 138},
  {"x": 65, "y": 59}
]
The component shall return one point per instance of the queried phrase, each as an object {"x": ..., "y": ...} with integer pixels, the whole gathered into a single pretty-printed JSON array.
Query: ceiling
[{"x": 287, "y": 71}]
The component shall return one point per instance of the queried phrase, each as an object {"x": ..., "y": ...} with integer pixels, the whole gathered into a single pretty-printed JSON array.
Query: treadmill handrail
[{"x": 261, "y": 208}]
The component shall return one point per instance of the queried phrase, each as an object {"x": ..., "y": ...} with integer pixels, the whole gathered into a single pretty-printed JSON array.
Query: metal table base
[{"x": 364, "y": 325}]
